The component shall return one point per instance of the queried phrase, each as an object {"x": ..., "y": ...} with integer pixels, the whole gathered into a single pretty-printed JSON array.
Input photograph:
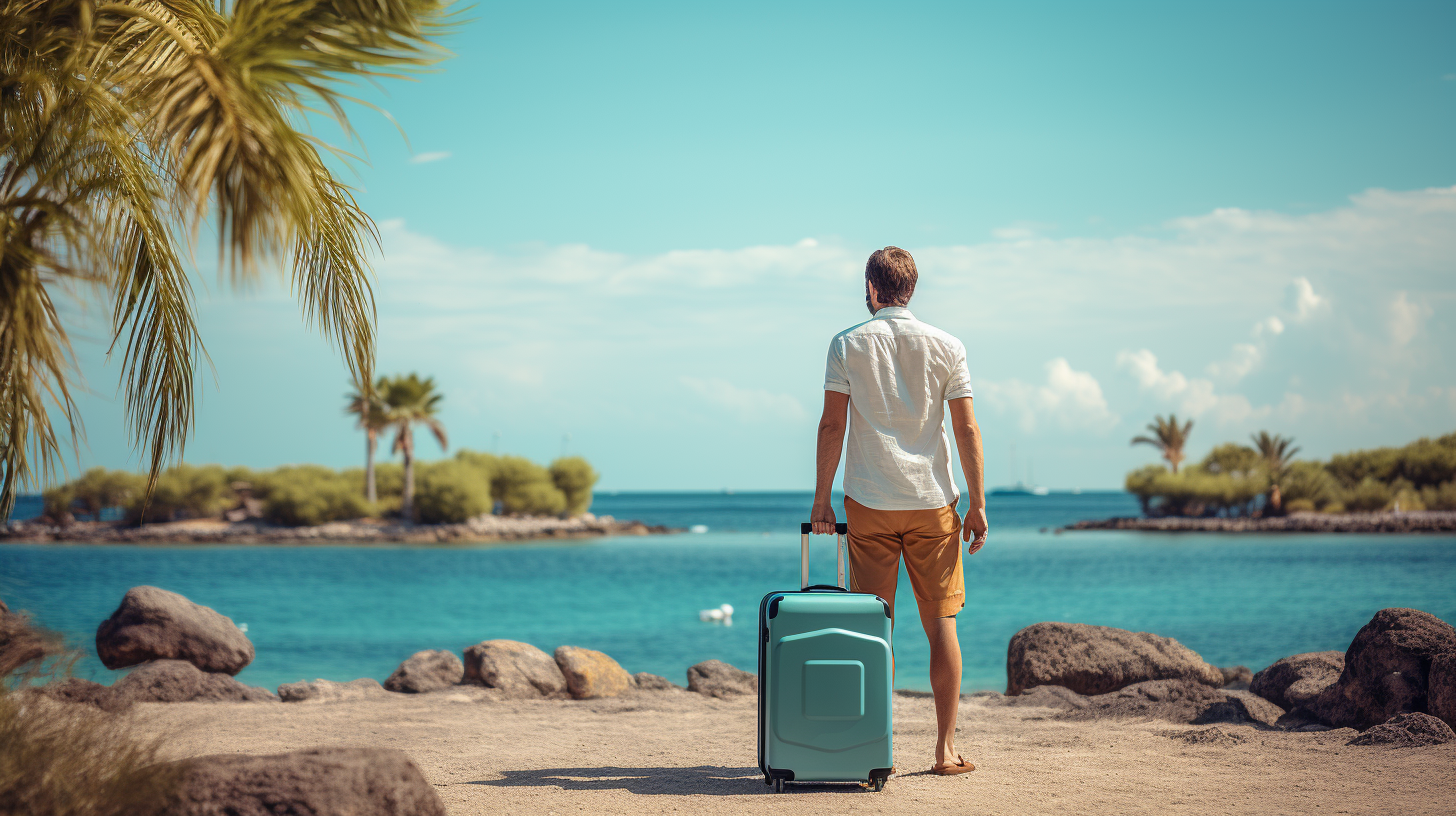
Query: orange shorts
[{"x": 930, "y": 542}]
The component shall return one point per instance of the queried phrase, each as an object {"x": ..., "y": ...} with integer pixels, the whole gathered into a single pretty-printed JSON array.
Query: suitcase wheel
[
  {"x": 879, "y": 783},
  {"x": 779, "y": 785}
]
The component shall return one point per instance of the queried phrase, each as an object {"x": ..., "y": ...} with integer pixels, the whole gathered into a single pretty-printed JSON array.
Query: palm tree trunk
[
  {"x": 407, "y": 500},
  {"x": 371, "y": 440}
]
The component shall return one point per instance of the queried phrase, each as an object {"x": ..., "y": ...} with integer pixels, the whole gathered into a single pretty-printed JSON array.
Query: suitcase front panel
[{"x": 825, "y": 677}]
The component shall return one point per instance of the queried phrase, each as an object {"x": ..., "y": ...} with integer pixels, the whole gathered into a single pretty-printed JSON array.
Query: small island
[
  {"x": 473, "y": 497},
  {"x": 1261, "y": 488}
]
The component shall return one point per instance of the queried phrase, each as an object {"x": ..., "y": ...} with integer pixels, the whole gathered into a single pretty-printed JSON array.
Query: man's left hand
[
  {"x": 975, "y": 523},
  {"x": 822, "y": 515}
]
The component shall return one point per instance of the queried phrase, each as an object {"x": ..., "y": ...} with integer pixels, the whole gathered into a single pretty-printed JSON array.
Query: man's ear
[{"x": 875, "y": 304}]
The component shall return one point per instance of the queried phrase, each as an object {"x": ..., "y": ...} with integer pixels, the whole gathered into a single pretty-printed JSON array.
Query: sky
[{"x": 628, "y": 232}]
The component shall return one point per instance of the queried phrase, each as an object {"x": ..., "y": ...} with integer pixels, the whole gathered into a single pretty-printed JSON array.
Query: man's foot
[{"x": 960, "y": 766}]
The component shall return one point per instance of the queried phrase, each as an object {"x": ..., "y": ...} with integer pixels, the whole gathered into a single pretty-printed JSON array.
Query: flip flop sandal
[{"x": 960, "y": 766}]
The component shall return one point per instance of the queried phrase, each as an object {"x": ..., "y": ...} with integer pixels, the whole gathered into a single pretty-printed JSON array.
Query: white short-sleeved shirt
[{"x": 898, "y": 373}]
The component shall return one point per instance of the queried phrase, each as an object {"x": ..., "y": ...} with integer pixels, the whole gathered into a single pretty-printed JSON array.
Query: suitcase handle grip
[{"x": 841, "y": 530}]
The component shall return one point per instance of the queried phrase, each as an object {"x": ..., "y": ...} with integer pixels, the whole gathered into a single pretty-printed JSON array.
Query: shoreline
[
  {"x": 480, "y": 530},
  {"x": 1414, "y": 522}
]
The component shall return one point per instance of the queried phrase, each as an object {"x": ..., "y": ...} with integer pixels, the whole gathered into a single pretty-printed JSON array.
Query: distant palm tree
[
  {"x": 1277, "y": 452},
  {"x": 1168, "y": 436},
  {"x": 409, "y": 400},
  {"x": 126, "y": 126},
  {"x": 373, "y": 419}
]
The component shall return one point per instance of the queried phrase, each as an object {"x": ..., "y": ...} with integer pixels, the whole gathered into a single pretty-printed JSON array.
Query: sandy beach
[{"x": 678, "y": 752}]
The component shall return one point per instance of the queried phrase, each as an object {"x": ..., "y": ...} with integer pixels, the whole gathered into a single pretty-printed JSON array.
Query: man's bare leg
[{"x": 945, "y": 682}]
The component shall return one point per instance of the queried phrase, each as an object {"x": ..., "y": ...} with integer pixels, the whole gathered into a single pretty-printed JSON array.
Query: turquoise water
[{"x": 341, "y": 612}]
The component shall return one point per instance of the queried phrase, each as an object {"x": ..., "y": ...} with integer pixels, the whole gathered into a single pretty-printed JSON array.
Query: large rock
[
  {"x": 177, "y": 681},
  {"x": 430, "y": 670},
  {"x": 84, "y": 692},
  {"x": 354, "y": 781},
  {"x": 1410, "y": 730},
  {"x": 517, "y": 669},
  {"x": 591, "y": 674},
  {"x": 1098, "y": 659},
  {"x": 1441, "y": 688},
  {"x": 154, "y": 624},
  {"x": 718, "y": 679},
  {"x": 1386, "y": 669},
  {"x": 328, "y": 691},
  {"x": 646, "y": 681},
  {"x": 1295, "y": 681},
  {"x": 1236, "y": 677},
  {"x": 1179, "y": 701}
]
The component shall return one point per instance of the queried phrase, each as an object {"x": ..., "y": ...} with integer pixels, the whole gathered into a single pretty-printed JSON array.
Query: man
[{"x": 897, "y": 374}]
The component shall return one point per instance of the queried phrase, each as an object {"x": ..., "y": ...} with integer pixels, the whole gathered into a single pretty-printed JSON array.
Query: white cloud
[
  {"x": 1271, "y": 325},
  {"x": 1072, "y": 399},
  {"x": 1191, "y": 397},
  {"x": 1404, "y": 318},
  {"x": 422, "y": 158},
  {"x": 748, "y": 404},
  {"x": 1245, "y": 358},
  {"x": 1020, "y": 231},
  {"x": 1302, "y": 299}
]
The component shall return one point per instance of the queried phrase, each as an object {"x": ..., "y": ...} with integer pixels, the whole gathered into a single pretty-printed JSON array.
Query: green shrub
[
  {"x": 99, "y": 489},
  {"x": 1194, "y": 491},
  {"x": 1232, "y": 458},
  {"x": 1424, "y": 463},
  {"x": 1333, "y": 507},
  {"x": 1442, "y": 497},
  {"x": 574, "y": 477},
  {"x": 183, "y": 492},
  {"x": 524, "y": 487},
  {"x": 541, "y": 498},
  {"x": 1309, "y": 481},
  {"x": 308, "y": 495},
  {"x": 451, "y": 492},
  {"x": 58, "y": 504},
  {"x": 1369, "y": 495},
  {"x": 1299, "y": 506}
]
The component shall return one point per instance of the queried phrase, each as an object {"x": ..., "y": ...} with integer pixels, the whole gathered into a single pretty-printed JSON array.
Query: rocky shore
[
  {"x": 1094, "y": 720},
  {"x": 482, "y": 529},
  {"x": 1424, "y": 521}
]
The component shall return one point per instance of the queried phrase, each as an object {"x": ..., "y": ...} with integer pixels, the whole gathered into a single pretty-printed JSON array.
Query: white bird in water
[{"x": 723, "y": 615}]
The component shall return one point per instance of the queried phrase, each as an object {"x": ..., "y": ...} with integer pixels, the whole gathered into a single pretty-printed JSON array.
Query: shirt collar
[{"x": 893, "y": 312}]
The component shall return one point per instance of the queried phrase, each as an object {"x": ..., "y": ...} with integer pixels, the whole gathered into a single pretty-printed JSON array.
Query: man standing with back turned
[{"x": 892, "y": 377}]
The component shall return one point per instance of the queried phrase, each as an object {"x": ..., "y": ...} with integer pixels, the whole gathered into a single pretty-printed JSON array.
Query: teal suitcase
[{"x": 825, "y": 680}]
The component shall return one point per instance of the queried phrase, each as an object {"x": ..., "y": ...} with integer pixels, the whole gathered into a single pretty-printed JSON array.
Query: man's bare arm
[
  {"x": 968, "y": 444},
  {"x": 831, "y": 445}
]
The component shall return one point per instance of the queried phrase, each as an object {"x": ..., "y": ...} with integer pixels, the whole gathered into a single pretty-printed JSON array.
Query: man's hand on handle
[
  {"x": 822, "y": 515},
  {"x": 975, "y": 523}
]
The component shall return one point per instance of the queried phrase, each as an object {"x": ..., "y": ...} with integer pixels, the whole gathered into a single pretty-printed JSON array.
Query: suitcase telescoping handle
[{"x": 840, "y": 531}]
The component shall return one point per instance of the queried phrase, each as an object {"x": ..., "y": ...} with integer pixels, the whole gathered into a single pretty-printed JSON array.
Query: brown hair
[{"x": 892, "y": 271}]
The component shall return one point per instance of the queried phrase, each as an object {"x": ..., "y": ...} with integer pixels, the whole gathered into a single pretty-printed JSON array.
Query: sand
[{"x": 679, "y": 752}]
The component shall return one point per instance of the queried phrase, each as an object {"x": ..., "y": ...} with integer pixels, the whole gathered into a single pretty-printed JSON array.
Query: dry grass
[{"x": 64, "y": 759}]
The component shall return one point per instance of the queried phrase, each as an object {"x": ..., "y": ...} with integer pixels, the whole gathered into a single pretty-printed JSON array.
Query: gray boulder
[
  {"x": 715, "y": 678},
  {"x": 1295, "y": 681},
  {"x": 517, "y": 669},
  {"x": 430, "y": 670},
  {"x": 1099, "y": 659},
  {"x": 177, "y": 681},
  {"x": 1386, "y": 669},
  {"x": 328, "y": 691},
  {"x": 590, "y": 674},
  {"x": 1179, "y": 701},
  {"x": 645, "y": 681},
  {"x": 1441, "y": 688},
  {"x": 154, "y": 624},
  {"x": 1410, "y": 730},
  {"x": 356, "y": 781}
]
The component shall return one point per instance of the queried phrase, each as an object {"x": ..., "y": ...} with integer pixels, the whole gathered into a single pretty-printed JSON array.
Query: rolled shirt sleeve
[
  {"x": 835, "y": 376},
  {"x": 959, "y": 383}
]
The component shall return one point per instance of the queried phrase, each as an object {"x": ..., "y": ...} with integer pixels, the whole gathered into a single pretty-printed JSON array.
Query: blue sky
[{"x": 639, "y": 226}]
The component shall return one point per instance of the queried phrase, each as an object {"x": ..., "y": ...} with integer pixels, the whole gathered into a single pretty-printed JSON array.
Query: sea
[{"x": 341, "y": 611}]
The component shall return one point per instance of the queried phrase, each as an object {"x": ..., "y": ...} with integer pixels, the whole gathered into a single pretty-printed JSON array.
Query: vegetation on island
[
  {"x": 1264, "y": 479},
  {"x": 127, "y": 126}
]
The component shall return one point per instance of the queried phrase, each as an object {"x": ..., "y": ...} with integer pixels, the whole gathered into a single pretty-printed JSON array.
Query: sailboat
[{"x": 1021, "y": 488}]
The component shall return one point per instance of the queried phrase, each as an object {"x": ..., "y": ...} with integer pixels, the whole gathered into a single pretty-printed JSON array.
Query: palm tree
[
  {"x": 124, "y": 127},
  {"x": 1168, "y": 437},
  {"x": 408, "y": 400},
  {"x": 1277, "y": 452},
  {"x": 368, "y": 405}
]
